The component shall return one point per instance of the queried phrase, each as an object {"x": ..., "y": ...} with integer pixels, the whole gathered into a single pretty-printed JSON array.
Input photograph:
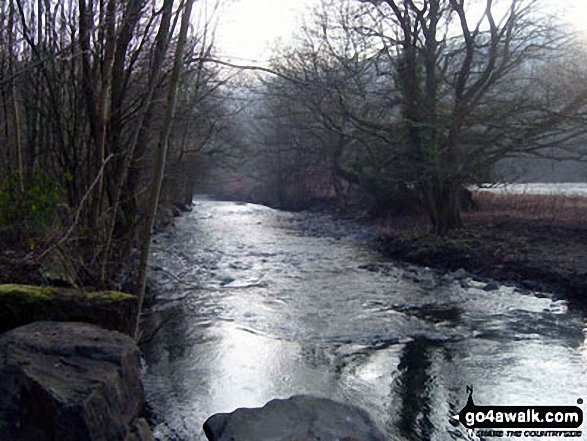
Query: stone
[
  {"x": 140, "y": 431},
  {"x": 464, "y": 284},
  {"x": 70, "y": 381},
  {"x": 300, "y": 417},
  {"x": 184, "y": 207},
  {"x": 22, "y": 304},
  {"x": 459, "y": 274},
  {"x": 491, "y": 286}
]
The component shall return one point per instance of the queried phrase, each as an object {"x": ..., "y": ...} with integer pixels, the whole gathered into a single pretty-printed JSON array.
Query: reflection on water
[{"x": 260, "y": 305}]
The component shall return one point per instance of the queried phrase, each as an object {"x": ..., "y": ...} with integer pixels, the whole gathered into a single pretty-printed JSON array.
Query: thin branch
[
  {"x": 252, "y": 68},
  {"x": 78, "y": 212}
]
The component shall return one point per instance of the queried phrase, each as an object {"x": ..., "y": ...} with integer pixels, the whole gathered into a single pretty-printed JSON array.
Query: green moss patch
[
  {"x": 109, "y": 295},
  {"x": 27, "y": 292},
  {"x": 22, "y": 304}
]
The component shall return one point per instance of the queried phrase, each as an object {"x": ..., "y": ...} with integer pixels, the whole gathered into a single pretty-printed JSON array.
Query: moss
[
  {"x": 109, "y": 295},
  {"x": 21, "y": 304},
  {"x": 31, "y": 293},
  {"x": 28, "y": 293}
]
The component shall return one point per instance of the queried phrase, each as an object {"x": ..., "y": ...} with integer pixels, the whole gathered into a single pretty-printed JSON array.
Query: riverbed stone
[
  {"x": 458, "y": 274},
  {"x": 491, "y": 286},
  {"x": 70, "y": 381},
  {"x": 300, "y": 417},
  {"x": 22, "y": 304}
]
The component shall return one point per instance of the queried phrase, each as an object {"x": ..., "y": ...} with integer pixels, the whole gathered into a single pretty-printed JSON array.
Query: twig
[
  {"x": 253, "y": 68},
  {"x": 79, "y": 209}
]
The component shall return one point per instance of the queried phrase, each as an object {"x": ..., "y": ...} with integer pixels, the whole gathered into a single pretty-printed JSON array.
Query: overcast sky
[{"x": 248, "y": 28}]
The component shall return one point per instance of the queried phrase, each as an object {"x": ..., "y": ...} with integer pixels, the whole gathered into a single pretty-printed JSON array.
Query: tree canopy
[{"x": 430, "y": 94}]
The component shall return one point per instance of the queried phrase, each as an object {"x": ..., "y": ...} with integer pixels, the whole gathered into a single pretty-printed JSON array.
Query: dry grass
[{"x": 547, "y": 208}]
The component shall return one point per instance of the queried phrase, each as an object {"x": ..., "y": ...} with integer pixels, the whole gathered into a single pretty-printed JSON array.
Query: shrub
[{"x": 28, "y": 210}]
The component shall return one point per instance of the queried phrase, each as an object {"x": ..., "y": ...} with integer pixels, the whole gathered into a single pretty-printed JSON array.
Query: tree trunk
[
  {"x": 128, "y": 176},
  {"x": 160, "y": 159},
  {"x": 102, "y": 108},
  {"x": 442, "y": 201},
  {"x": 16, "y": 122}
]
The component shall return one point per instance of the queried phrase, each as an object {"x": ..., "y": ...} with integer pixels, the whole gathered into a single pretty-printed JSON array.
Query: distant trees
[
  {"x": 377, "y": 99},
  {"x": 83, "y": 89},
  {"x": 297, "y": 152},
  {"x": 429, "y": 94}
]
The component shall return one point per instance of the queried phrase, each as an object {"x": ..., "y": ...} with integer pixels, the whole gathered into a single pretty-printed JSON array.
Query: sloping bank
[
  {"x": 533, "y": 255},
  {"x": 69, "y": 369}
]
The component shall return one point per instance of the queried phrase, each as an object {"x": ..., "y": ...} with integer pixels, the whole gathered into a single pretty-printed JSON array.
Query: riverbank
[
  {"x": 537, "y": 242},
  {"x": 326, "y": 315}
]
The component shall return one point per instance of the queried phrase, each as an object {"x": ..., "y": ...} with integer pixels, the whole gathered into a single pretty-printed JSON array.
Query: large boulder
[
  {"x": 22, "y": 304},
  {"x": 70, "y": 382},
  {"x": 298, "y": 418}
]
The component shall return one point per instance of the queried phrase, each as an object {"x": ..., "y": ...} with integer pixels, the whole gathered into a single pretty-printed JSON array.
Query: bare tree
[
  {"x": 454, "y": 64},
  {"x": 161, "y": 155},
  {"x": 438, "y": 91},
  {"x": 82, "y": 87}
]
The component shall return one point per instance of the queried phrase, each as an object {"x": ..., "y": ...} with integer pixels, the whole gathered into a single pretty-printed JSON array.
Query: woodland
[{"x": 114, "y": 114}]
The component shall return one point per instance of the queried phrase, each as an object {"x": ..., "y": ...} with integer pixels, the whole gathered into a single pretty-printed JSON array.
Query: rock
[
  {"x": 68, "y": 382},
  {"x": 371, "y": 267},
  {"x": 459, "y": 274},
  {"x": 163, "y": 217},
  {"x": 176, "y": 211},
  {"x": 408, "y": 275},
  {"x": 183, "y": 207},
  {"x": 22, "y": 304},
  {"x": 531, "y": 284},
  {"x": 140, "y": 431},
  {"x": 300, "y": 417},
  {"x": 491, "y": 286},
  {"x": 226, "y": 280}
]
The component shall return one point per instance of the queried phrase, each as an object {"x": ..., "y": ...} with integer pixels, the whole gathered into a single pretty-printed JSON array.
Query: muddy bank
[{"x": 532, "y": 254}]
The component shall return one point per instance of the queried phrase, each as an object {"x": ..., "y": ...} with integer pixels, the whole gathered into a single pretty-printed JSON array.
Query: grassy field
[{"x": 554, "y": 209}]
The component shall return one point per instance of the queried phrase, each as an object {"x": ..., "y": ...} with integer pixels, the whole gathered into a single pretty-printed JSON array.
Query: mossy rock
[{"x": 22, "y": 304}]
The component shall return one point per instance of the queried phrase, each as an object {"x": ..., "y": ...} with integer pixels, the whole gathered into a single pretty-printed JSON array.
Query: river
[{"x": 254, "y": 304}]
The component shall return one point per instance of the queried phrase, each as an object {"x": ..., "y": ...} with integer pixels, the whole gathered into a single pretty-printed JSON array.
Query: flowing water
[{"x": 255, "y": 304}]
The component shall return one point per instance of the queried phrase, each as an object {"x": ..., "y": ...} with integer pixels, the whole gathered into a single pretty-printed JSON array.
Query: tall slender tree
[{"x": 161, "y": 154}]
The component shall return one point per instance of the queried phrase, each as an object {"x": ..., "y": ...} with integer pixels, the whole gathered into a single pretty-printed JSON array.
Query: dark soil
[
  {"x": 530, "y": 253},
  {"x": 17, "y": 267}
]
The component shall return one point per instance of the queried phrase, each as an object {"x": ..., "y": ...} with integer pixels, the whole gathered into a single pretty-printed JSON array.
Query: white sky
[{"x": 249, "y": 28}]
